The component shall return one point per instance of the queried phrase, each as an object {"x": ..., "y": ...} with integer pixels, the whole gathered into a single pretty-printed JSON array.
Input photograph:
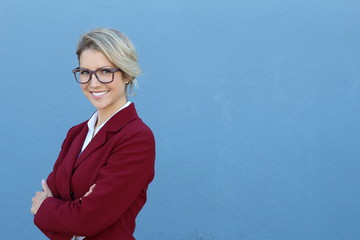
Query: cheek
[
  {"x": 83, "y": 87},
  {"x": 121, "y": 90},
  {"x": 85, "y": 92},
  {"x": 118, "y": 87}
]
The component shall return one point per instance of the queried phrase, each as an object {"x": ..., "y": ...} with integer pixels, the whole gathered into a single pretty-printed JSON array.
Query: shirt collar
[{"x": 92, "y": 121}]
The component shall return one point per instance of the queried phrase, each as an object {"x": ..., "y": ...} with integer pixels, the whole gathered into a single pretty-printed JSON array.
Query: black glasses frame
[{"x": 112, "y": 70}]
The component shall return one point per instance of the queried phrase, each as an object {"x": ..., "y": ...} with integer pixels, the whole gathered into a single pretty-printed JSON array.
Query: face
[{"x": 106, "y": 97}]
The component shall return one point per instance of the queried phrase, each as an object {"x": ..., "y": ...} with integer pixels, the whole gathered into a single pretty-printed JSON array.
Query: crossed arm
[{"x": 39, "y": 197}]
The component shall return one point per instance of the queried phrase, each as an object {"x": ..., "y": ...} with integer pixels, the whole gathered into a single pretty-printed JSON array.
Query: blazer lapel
[
  {"x": 95, "y": 143},
  {"x": 114, "y": 125}
]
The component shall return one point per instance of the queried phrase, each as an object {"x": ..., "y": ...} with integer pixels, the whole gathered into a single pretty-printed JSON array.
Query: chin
[{"x": 97, "y": 105}]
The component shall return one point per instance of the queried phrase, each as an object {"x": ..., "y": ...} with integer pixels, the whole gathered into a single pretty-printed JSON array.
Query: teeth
[{"x": 97, "y": 94}]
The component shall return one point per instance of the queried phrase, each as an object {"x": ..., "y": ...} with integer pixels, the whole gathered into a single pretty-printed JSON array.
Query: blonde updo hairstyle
[{"x": 117, "y": 48}]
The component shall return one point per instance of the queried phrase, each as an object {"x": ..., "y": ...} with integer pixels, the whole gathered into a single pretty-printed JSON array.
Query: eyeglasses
[{"x": 103, "y": 75}]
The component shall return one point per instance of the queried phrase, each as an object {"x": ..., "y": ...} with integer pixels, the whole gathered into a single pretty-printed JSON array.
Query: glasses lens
[
  {"x": 105, "y": 75},
  {"x": 82, "y": 76}
]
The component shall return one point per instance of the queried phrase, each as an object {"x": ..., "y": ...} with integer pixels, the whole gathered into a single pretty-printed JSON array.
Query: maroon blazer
[{"x": 120, "y": 160}]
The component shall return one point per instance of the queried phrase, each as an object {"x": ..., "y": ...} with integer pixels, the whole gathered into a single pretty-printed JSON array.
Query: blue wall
[{"x": 255, "y": 106}]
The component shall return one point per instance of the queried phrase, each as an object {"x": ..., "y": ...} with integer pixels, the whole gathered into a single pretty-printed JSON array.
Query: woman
[{"x": 99, "y": 181}]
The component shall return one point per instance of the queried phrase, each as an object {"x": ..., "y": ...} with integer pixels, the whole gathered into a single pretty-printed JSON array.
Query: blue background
[{"x": 255, "y": 106}]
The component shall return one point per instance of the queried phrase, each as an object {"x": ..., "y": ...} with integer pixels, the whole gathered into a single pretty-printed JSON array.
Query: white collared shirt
[{"x": 91, "y": 134}]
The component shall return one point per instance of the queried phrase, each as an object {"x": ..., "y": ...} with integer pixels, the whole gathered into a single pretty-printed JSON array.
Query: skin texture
[{"x": 107, "y": 104}]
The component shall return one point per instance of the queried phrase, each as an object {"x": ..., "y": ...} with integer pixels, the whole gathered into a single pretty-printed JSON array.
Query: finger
[
  {"x": 39, "y": 194},
  {"x": 46, "y": 188},
  {"x": 90, "y": 190},
  {"x": 92, "y": 187}
]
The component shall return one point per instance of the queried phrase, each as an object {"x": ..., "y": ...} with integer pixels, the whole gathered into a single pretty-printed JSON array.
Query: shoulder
[
  {"x": 74, "y": 130},
  {"x": 137, "y": 128},
  {"x": 128, "y": 123},
  {"x": 72, "y": 133},
  {"x": 137, "y": 125}
]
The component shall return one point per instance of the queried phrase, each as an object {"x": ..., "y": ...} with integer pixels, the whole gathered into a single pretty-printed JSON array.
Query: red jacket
[{"x": 120, "y": 160}]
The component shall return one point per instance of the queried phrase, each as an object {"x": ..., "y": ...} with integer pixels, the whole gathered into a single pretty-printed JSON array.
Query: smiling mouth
[{"x": 99, "y": 94}]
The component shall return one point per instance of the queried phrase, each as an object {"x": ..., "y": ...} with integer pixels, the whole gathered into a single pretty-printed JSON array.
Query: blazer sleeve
[
  {"x": 50, "y": 181},
  {"x": 65, "y": 145},
  {"x": 129, "y": 170}
]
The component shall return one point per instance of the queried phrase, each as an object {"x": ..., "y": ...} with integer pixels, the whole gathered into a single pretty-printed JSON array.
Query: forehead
[{"x": 93, "y": 59}]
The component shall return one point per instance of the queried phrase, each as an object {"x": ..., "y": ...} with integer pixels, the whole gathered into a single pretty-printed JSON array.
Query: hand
[
  {"x": 90, "y": 191},
  {"x": 39, "y": 197}
]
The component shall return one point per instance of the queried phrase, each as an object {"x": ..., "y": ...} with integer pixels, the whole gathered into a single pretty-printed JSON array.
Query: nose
[{"x": 94, "y": 82}]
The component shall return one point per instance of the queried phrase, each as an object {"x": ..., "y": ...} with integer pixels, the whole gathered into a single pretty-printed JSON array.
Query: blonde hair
[{"x": 117, "y": 48}]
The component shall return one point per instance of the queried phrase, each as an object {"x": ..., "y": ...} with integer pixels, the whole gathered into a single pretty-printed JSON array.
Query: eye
[
  {"x": 105, "y": 71},
  {"x": 84, "y": 72}
]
